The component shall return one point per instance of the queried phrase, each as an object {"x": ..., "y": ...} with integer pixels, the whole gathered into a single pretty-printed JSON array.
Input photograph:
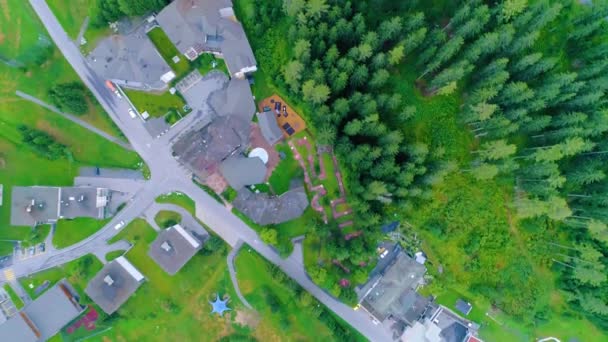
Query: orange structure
[{"x": 288, "y": 119}]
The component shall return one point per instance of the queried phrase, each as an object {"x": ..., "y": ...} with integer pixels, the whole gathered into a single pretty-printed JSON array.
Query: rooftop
[
  {"x": 19, "y": 328},
  {"x": 269, "y": 126},
  {"x": 265, "y": 209},
  {"x": 173, "y": 248},
  {"x": 463, "y": 307},
  {"x": 114, "y": 284},
  {"x": 32, "y": 205},
  {"x": 235, "y": 99},
  {"x": 54, "y": 309},
  {"x": 202, "y": 150},
  {"x": 241, "y": 171},
  {"x": 387, "y": 294},
  {"x": 83, "y": 202},
  {"x": 130, "y": 59}
]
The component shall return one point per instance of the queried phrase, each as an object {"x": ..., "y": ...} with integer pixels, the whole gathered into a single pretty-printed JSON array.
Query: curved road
[{"x": 167, "y": 176}]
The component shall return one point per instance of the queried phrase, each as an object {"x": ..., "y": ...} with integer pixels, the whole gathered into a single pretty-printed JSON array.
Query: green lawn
[
  {"x": 205, "y": 64},
  {"x": 166, "y": 218},
  {"x": 287, "y": 169},
  {"x": 179, "y": 199},
  {"x": 69, "y": 232},
  {"x": 157, "y": 105},
  {"x": 291, "y": 320},
  {"x": 27, "y": 235},
  {"x": 71, "y": 15},
  {"x": 14, "y": 297},
  {"x": 77, "y": 272},
  {"x": 114, "y": 254},
  {"x": 167, "y": 50}
]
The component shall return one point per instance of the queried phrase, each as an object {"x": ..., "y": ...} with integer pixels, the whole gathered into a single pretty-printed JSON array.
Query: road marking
[{"x": 9, "y": 274}]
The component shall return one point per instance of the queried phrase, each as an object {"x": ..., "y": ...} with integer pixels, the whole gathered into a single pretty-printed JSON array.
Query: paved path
[
  {"x": 167, "y": 175},
  {"x": 83, "y": 29},
  {"x": 232, "y": 271},
  {"x": 74, "y": 119}
]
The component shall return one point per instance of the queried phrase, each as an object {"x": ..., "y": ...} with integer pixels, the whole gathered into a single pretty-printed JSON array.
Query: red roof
[{"x": 474, "y": 339}]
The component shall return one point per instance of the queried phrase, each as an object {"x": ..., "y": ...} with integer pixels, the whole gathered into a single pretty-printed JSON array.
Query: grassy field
[
  {"x": 77, "y": 272},
  {"x": 286, "y": 170},
  {"x": 71, "y": 15},
  {"x": 19, "y": 165},
  {"x": 167, "y": 50},
  {"x": 113, "y": 255},
  {"x": 27, "y": 235},
  {"x": 69, "y": 232},
  {"x": 292, "y": 321},
  {"x": 14, "y": 297},
  {"x": 166, "y": 218},
  {"x": 205, "y": 64},
  {"x": 157, "y": 105},
  {"x": 179, "y": 199}
]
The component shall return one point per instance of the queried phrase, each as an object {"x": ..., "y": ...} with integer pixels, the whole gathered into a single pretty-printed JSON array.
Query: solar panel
[
  {"x": 286, "y": 126},
  {"x": 290, "y": 131}
]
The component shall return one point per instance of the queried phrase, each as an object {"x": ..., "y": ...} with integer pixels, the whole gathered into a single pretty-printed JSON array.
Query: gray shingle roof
[
  {"x": 82, "y": 202},
  {"x": 173, "y": 247},
  {"x": 241, "y": 171},
  {"x": 236, "y": 99},
  {"x": 113, "y": 285},
  {"x": 31, "y": 205},
  {"x": 265, "y": 209},
  {"x": 54, "y": 309},
  {"x": 18, "y": 329},
  {"x": 269, "y": 127}
]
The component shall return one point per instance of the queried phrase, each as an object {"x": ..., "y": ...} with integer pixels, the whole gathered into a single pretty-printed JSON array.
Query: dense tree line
[
  {"x": 538, "y": 112},
  {"x": 71, "y": 97},
  {"x": 107, "y": 11},
  {"x": 43, "y": 144}
]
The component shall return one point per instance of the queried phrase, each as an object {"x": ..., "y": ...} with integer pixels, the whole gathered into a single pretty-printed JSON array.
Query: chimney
[
  {"x": 165, "y": 246},
  {"x": 108, "y": 280}
]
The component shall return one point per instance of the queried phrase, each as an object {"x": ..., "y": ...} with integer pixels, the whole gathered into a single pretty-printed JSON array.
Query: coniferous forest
[{"x": 482, "y": 126}]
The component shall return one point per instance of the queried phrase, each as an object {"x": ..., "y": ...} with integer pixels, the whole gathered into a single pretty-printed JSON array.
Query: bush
[
  {"x": 43, "y": 144},
  {"x": 71, "y": 96}
]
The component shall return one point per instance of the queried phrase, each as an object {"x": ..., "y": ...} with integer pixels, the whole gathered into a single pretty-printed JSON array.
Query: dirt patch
[
  {"x": 2, "y": 38},
  {"x": 247, "y": 318},
  {"x": 2, "y": 163},
  {"x": 28, "y": 74}
]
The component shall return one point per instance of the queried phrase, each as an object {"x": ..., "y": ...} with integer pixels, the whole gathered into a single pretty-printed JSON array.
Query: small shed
[{"x": 463, "y": 307}]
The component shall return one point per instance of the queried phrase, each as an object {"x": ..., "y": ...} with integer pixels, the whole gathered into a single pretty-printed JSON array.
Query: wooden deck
[{"x": 293, "y": 118}]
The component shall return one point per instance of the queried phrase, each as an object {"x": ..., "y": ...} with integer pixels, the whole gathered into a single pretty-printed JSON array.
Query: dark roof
[
  {"x": 204, "y": 149},
  {"x": 173, "y": 248},
  {"x": 114, "y": 284},
  {"x": 390, "y": 227},
  {"x": 54, "y": 309},
  {"x": 241, "y": 171},
  {"x": 269, "y": 127},
  {"x": 235, "y": 99},
  {"x": 452, "y": 326},
  {"x": 383, "y": 299},
  {"x": 410, "y": 307},
  {"x": 31, "y": 205},
  {"x": 131, "y": 59},
  {"x": 19, "y": 328},
  {"x": 265, "y": 209},
  {"x": 463, "y": 306},
  {"x": 82, "y": 201}
]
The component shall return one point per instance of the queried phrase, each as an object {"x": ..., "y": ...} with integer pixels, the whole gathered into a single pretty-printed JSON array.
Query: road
[{"x": 167, "y": 175}]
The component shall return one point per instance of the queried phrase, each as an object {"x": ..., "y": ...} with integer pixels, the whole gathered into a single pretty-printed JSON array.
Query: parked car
[
  {"x": 132, "y": 113},
  {"x": 119, "y": 225}
]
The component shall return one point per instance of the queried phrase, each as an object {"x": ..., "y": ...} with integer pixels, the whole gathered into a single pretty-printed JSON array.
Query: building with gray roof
[
  {"x": 240, "y": 171},
  {"x": 442, "y": 325},
  {"x": 44, "y": 317},
  {"x": 235, "y": 99},
  {"x": 203, "y": 149},
  {"x": 114, "y": 284},
  {"x": 131, "y": 60},
  {"x": 208, "y": 26},
  {"x": 80, "y": 201},
  {"x": 390, "y": 291},
  {"x": 269, "y": 127},
  {"x": 265, "y": 209},
  {"x": 173, "y": 247},
  {"x": 33, "y": 205}
]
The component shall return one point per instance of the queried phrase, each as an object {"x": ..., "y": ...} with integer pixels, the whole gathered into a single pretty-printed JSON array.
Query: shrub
[{"x": 71, "y": 96}]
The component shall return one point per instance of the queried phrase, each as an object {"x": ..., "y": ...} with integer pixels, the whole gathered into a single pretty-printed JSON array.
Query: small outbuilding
[
  {"x": 173, "y": 248},
  {"x": 463, "y": 307},
  {"x": 240, "y": 172},
  {"x": 269, "y": 127},
  {"x": 114, "y": 284}
]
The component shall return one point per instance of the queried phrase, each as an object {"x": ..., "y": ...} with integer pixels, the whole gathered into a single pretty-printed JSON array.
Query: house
[
  {"x": 264, "y": 209},
  {"x": 35, "y": 205},
  {"x": 240, "y": 171},
  {"x": 44, "y": 317},
  {"x": 114, "y": 284},
  {"x": 208, "y": 26},
  {"x": 442, "y": 325},
  {"x": 235, "y": 99},
  {"x": 173, "y": 247},
  {"x": 131, "y": 60},
  {"x": 269, "y": 127},
  {"x": 386, "y": 294}
]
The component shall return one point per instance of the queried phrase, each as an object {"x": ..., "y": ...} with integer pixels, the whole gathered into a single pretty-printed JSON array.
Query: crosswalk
[{"x": 9, "y": 274}]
